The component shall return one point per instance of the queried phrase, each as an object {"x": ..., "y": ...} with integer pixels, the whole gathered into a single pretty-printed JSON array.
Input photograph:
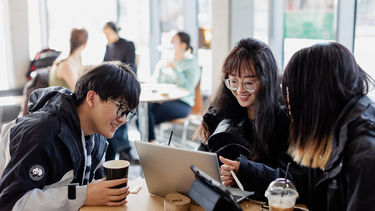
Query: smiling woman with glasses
[
  {"x": 233, "y": 85},
  {"x": 245, "y": 119}
]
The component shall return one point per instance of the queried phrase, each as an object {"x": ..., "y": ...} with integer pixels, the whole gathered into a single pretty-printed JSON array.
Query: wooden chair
[{"x": 195, "y": 115}]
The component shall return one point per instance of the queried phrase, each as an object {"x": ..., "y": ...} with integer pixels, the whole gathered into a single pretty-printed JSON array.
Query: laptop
[{"x": 167, "y": 169}]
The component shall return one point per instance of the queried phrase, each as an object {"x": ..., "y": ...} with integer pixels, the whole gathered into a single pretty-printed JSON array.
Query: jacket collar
[{"x": 350, "y": 114}]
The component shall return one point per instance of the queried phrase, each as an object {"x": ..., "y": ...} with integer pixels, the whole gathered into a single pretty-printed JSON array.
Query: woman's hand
[
  {"x": 226, "y": 176},
  {"x": 171, "y": 64},
  {"x": 100, "y": 193}
]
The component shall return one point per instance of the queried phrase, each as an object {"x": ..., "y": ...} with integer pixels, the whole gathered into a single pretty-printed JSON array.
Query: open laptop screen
[{"x": 167, "y": 169}]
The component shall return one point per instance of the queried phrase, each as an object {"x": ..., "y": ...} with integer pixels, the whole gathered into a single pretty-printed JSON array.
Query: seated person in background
[
  {"x": 57, "y": 150},
  {"x": 66, "y": 70},
  {"x": 184, "y": 72},
  {"x": 119, "y": 49},
  {"x": 245, "y": 119}
]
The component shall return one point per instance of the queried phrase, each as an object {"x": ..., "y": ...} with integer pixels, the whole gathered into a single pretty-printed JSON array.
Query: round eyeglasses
[
  {"x": 249, "y": 86},
  {"x": 122, "y": 111}
]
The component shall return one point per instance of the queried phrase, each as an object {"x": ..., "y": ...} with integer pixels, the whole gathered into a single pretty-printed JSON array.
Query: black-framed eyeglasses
[
  {"x": 122, "y": 111},
  {"x": 249, "y": 86}
]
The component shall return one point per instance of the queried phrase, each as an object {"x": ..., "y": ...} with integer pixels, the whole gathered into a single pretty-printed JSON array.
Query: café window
[
  {"x": 204, "y": 53},
  {"x": 307, "y": 22},
  {"x": 261, "y": 20},
  {"x": 3, "y": 54},
  {"x": 365, "y": 37},
  {"x": 88, "y": 14}
]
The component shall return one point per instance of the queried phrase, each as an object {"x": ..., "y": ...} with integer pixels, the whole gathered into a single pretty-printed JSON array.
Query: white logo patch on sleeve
[{"x": 36, "y": 173}]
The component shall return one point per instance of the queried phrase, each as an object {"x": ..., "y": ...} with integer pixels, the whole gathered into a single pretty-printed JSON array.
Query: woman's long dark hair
[
  {"x": 250, "y": 55},
  {"x": 317, "y": 84}
]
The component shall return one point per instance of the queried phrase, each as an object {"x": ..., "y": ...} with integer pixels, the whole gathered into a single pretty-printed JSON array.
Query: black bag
[
  {"x": 228, "y": 140},
  {"x": 210, "y": 194},
  {"x": 42, "y": 59}
]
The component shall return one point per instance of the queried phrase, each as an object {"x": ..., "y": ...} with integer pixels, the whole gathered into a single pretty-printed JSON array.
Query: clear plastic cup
[{"x": 281, "y": 195}]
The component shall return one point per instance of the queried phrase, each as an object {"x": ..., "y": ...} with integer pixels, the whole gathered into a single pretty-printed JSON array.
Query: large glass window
[
  {"x": 205, "y": 36},
  {"x": 172, "y": 19},
  {"x": 88, "y": 14},
  {"x": 261, "y": 20},
  {"x": 34, "y": 21},
  {"x": 134, "y": 21},
  {"x": 307, "y": 22},
  {"x": 3, "y": 55},
  {"x": 365, "y": 36}
]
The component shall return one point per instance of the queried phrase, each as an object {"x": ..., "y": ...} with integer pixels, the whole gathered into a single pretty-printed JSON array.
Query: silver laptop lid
[{"x": 167, "y": 169}]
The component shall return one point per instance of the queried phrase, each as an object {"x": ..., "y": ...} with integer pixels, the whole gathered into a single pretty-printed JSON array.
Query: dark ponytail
[{"x": 185, "y": 38}]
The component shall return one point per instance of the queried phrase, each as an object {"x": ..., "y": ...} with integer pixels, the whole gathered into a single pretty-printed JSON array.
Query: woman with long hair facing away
[
  {"x": 245, "y": 119},
  {"x": 332, "y": 127},
  {"x": 66, "y": 70}
]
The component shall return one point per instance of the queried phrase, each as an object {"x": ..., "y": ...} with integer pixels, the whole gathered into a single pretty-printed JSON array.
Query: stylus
[{"x": 237, "y": 181}]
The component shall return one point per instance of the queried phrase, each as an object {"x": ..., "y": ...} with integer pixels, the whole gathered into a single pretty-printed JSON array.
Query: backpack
[
  {"x": 228, "y": 140},
  {"x": 42, "y": 59}
]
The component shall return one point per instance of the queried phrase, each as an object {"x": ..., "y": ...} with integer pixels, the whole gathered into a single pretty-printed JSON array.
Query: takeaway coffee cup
[
  {"x": 281, "y": 195},
  {"x": 116, "y": 169}
]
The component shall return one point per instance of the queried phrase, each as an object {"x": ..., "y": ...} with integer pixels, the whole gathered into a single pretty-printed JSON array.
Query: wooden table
[
  {"x": 156, "y": 92},
  {"x": 143, "y": 201}
]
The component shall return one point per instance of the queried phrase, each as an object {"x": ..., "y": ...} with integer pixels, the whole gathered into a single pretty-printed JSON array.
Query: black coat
[
  {"x": 50, "y": 139},
  {"x": 240, "y": 131},
  {"x": 347, "y": 182},
  {"x": 254, "y": 175},
  {"x": 122, "y": 50}
]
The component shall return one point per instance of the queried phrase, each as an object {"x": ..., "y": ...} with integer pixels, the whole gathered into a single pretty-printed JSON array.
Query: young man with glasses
[{"x": 54, "y": 155}]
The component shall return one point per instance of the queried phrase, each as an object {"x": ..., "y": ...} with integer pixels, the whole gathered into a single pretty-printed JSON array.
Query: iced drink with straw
[{"x": 280, "y": 198}]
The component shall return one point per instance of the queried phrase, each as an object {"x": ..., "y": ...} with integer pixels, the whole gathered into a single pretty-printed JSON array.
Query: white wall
[
  {"x": 18, "y": 51},
  {"x": 232, "y": 20},
  {"x": 220, "y": 43}
]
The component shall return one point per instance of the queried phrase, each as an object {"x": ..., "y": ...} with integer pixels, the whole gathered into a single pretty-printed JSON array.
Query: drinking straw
[
  {"x": 286, "y": 174},
  {"x": 170, "y": 138}
]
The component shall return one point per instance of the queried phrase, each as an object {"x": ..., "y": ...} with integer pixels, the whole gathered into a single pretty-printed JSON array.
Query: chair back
[
  {"x": 198, "y": 100},
  {"x": 197, "y": 109}
]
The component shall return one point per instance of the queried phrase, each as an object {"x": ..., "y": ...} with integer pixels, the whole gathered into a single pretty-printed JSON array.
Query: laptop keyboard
[{"x": 237, "y": 197}]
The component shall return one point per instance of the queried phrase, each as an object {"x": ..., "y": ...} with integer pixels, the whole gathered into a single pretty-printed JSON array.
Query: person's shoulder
[
  {"x": 64, "y": 66},
  {"x": 36, "y": 127},
  {"x": 125, "y": 41}
]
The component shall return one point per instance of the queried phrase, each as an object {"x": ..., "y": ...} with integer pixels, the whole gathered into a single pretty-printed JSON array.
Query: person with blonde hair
[
  {"x": 332, "y": 127},
  {"x": 332, "y": 130},
  {"x": 66, "y": 70}
]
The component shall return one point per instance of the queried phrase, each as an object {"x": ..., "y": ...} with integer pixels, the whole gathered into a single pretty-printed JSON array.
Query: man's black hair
[{"x": 110, "y": 80}]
